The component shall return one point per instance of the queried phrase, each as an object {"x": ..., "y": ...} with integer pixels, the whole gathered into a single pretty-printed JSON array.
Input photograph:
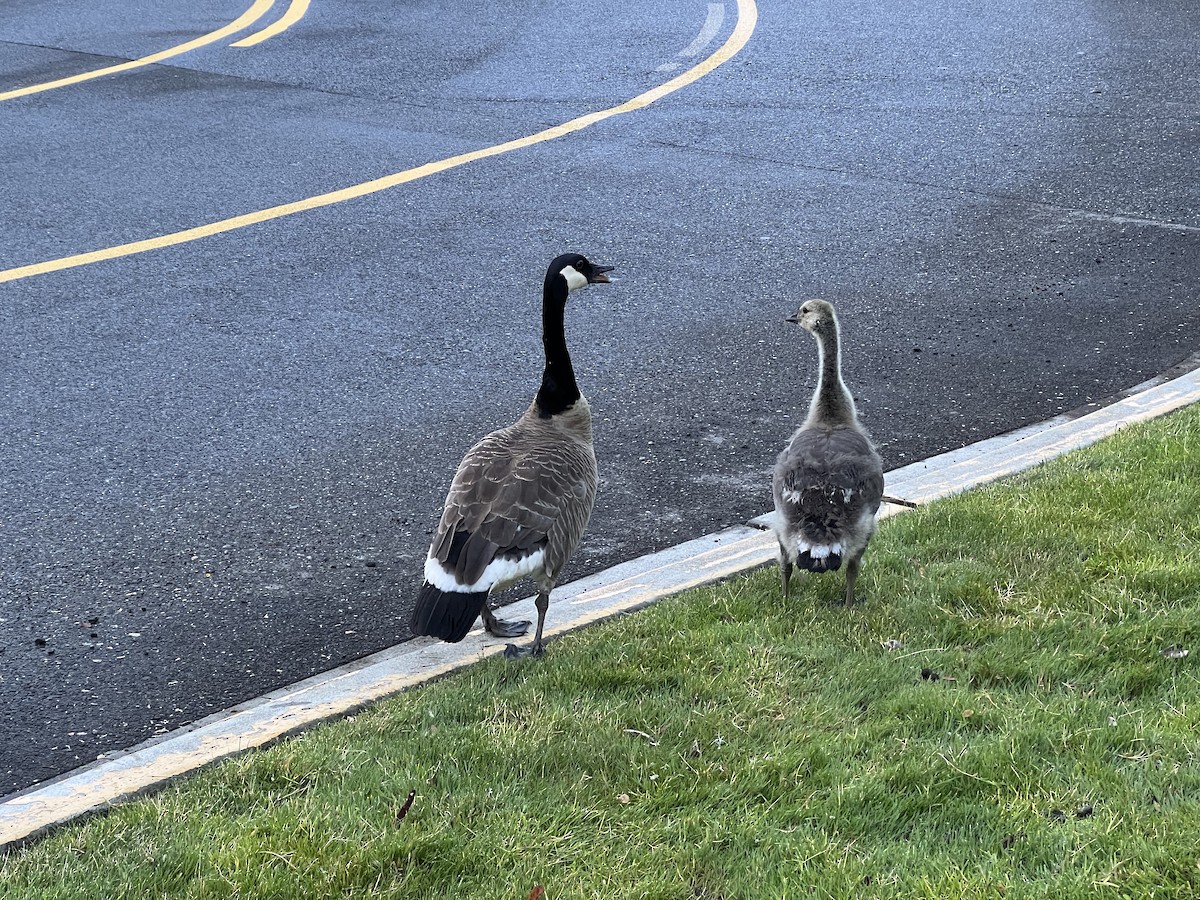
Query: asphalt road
[{"x": 220, "y": 461}]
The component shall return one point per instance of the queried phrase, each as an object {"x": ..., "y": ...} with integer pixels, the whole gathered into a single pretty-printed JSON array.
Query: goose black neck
[
  {"x": 832, "y": 403},
  {"x": 559, "y": 390}
]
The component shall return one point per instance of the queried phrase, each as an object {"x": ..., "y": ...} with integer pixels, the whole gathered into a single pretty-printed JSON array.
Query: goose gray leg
[
  {"x": 501, "y": 628},
  {"x": 785, "y": 570},
  {"x": 852, "y": 566},
  {"x": 512, "y": 651}
]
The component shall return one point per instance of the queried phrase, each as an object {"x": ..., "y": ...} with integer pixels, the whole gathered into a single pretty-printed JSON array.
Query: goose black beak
[
  {"x": 599, "y": 276},
  {"x": 794, "y": 318}
]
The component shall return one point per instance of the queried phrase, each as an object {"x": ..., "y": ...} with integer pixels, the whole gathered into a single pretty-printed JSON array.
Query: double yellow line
[
  {"x": 294, "y": 14},
  {"x": 259, "y": 9},
  {"x": 747, "y": 19}
]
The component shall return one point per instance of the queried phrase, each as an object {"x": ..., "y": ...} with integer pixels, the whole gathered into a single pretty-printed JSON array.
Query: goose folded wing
[
  {"x": 503, "y": 509},
  {"x": 829, "y": 476}
]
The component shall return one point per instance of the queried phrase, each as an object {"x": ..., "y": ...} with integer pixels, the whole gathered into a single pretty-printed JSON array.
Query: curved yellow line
[
  {"x": 294, "y": 14},
  {"x": 245, "y": 20},
  {"x": 747, "y": 18}
]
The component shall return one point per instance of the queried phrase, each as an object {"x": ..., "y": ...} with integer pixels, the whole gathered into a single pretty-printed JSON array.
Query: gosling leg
[
  {"x": 785, "y": 570},
  {"x": 852, "y": 566}
]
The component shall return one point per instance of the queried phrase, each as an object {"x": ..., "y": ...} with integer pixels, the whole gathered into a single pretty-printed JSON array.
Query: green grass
[{"x": 724, "y": 744}]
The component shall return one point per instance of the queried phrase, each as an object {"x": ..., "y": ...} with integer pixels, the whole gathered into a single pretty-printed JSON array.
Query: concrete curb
[{"x": 623, "y": 588}]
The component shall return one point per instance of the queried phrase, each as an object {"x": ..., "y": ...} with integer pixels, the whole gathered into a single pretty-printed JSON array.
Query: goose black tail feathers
[
  {"x": 809, "y": 563},
  {"x": 447, "y": 615}
]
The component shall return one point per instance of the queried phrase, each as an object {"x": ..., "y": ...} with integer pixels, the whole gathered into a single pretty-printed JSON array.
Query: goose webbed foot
[
  {"x": 501, "y": 628},
  {"x": 512, "y": 651}
]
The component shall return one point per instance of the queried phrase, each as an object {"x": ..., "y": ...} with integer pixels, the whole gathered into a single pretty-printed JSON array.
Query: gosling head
[
  {"x": 816, "y": 317},
  {"x": 577, "y": 271}
]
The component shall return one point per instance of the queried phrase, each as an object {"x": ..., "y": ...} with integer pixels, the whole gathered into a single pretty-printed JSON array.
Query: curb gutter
[{"x": 624, "y": 588}]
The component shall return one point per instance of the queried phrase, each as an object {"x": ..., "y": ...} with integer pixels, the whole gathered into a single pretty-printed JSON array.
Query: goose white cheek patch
[{"x": 574, "y": 279}]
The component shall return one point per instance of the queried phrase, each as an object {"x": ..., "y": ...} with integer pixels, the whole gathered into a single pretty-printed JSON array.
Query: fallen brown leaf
[{"x": 403, "y": 811}]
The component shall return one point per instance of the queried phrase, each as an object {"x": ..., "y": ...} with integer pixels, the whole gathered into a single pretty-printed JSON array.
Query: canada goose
[
  {"x": 828, "y": 481},
  {"x": 522, "y": 496}
]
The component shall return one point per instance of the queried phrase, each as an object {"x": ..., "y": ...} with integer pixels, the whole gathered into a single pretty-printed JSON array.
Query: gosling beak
[
  {"x": 794, "y": 318},
  {"x": 599, "y": 276}
]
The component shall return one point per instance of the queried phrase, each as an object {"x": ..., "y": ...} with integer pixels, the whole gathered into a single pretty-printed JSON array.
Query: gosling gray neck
[{"x": 832, "y": 403}]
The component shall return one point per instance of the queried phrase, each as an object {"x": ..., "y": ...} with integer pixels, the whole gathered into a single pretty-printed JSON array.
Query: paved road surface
[{"x": 221, "y": 460}]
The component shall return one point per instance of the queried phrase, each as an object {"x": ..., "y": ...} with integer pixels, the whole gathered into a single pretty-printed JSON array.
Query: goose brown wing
[{"x": 515, "y": 493}]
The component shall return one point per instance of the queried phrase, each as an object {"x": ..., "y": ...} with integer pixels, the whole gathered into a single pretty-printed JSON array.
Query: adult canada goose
[
  {"x": 828, "y": 481},
  {"x": 522, "y": 496}
]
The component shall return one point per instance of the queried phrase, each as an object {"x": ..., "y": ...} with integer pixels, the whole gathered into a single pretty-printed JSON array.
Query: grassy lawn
[{"x": 1028, "y": 737}]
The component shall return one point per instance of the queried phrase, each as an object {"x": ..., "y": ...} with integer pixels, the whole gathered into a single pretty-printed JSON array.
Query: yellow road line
[
  {"x": 294, "y": 14},
  {"x": 747, "y": 18},
  {"x": 245, "y": 20}
]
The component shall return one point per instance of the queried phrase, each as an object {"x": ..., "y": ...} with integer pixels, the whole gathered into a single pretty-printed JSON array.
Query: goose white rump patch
[
  {"x": 818, "y": 551},
  {"x": 500, "y": 573}
]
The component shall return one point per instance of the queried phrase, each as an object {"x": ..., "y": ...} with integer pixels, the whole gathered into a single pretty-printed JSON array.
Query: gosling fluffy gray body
[
  {"x": 521, "y": 498},
  {"x": 828, "y": 481}
]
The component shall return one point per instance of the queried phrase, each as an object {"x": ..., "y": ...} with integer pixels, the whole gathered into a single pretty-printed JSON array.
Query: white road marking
[
  {"x": 712, "y": 25},
  {"x": 1135, "y": 220}
]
